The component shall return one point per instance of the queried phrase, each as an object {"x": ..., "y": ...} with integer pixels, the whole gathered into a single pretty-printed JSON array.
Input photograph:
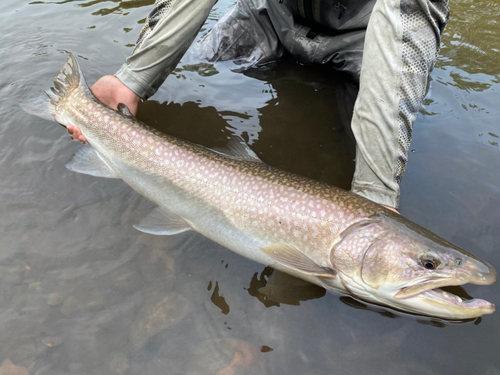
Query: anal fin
[
  {"x": 290, "y": 256},
  {"x": 162, "y": 223},
  {"x": 88, "y": 161}
]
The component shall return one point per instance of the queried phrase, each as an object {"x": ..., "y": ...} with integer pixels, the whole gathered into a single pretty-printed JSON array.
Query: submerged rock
[
  {"x": 69, "y": 306},
  {"x": 155, "y": 264},
  {"x": 156, "y": 316},
  {"x": 125, "y": 280},
  {"x": 52, "y": 341},
  {"x": 225, "y": 357},
  {"x": 54, "y": 299},
  {"x": 8, "y": 368},
  {"x": 35, "y": 286},
  {"x": 96, "y": 304},
  {"x": 245, "y": 356}
]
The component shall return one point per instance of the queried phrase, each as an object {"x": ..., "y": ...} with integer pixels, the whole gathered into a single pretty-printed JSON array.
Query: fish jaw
[
  {"x": 438, "y": 303},
  {"x": 449, "y": 306},
  {"x": 390, "y": 261},
  {"x": 428, "y": 295},
  {"x": 431, "y": 301}
]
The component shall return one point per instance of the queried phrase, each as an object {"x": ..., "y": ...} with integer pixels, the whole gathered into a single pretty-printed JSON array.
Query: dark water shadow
[
  {"x": 291, "y": 137},
  {"x": 274, "y": 288},
  {"x": 189, "y": 121}
]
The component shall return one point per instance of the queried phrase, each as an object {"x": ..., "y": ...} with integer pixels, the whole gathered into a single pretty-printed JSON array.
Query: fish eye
[{"x": 430, "y": 264}]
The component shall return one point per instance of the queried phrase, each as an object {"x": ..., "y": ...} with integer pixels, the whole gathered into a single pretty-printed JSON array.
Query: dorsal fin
[{"x": 237, "y": 149}]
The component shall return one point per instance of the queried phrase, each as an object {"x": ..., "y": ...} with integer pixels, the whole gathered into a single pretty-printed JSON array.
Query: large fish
[{"x": 322, "y": 234}]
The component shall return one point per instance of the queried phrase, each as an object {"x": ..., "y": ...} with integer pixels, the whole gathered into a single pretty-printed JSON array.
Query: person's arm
[
  {"x": 168, "y": 32},
  {"x": 401, "y": 47}
]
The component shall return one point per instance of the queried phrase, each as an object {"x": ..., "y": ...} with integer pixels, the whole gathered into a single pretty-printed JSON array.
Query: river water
[{"x": 82, "y": 292}]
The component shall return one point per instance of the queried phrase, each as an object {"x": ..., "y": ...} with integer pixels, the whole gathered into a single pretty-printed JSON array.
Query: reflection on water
[
  {"x": 104, "y": 11},
  {"x": 218, "y": 300},
  {"x": 349, "y": 301},
  {"x": 471, "y": 38},
  {"x": 273, "y": 288},
  {"x": 203, "y": 69},
  {"x": 81, "y": 292}
]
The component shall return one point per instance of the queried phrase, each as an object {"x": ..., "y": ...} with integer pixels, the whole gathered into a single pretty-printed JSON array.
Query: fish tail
[{"x": 69, "y": 79}]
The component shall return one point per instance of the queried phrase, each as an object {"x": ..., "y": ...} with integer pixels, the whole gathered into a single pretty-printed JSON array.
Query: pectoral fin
[
  {"x": 88, "y": 161},
  {"x": 162, "y": 223},
  {"x": 291, "y": 257}
]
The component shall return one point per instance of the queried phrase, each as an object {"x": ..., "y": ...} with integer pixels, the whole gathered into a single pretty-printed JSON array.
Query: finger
[
  {"x": 82, "y": 139},
  {"x": 70, "y": 129},
  {"x": 76, "y": 133}
]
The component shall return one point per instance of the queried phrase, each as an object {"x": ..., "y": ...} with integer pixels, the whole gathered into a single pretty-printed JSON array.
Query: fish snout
[{"x": 478, "y": 272}]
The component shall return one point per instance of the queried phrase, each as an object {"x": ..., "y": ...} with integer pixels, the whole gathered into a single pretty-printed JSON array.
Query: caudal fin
[{"x": 69, "y": 79}]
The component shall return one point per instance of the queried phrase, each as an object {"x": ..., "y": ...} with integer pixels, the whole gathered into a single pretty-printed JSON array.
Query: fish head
[{"x": 406, "y": 267}]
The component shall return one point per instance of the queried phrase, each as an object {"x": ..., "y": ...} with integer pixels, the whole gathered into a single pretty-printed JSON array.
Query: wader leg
[
  {"x": 167, "y": 34},
  {"x": 259, "y": 31},
  {"x": 245, "y": 34},
  {"x": 401, "y": 47}
]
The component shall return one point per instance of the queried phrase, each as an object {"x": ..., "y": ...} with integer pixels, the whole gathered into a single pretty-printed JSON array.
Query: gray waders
[{"x": 390, "y": 46}]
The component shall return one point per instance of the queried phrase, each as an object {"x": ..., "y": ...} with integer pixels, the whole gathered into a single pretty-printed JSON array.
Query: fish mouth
[
  {"x": 451, "y": 298},
  {"x": 429, "y": 296}
]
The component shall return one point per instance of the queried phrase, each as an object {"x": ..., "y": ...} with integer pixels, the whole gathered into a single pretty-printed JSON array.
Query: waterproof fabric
[
  {"x": 260, "y": 31},
  {"x": 390, "y": 46}
]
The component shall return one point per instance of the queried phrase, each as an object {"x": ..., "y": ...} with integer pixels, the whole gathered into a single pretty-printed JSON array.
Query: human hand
[
  {"x": 76, "y": 133},
  {"x": 110, "y": 91}
]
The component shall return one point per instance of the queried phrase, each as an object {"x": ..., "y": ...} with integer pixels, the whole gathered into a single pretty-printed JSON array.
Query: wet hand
[
  {"x": 110, "y": 91},
  {"x": 76, "y": 133}
]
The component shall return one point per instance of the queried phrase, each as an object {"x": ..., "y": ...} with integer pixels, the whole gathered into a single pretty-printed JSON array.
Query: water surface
[{"x": 81, "y": 292}]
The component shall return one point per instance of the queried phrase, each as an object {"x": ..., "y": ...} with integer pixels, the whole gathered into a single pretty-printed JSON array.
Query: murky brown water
[{"x": 81, "y": 292}]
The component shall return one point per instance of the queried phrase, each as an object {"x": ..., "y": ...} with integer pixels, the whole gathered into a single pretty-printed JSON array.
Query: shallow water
[{"x": 81, "y": 292}]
